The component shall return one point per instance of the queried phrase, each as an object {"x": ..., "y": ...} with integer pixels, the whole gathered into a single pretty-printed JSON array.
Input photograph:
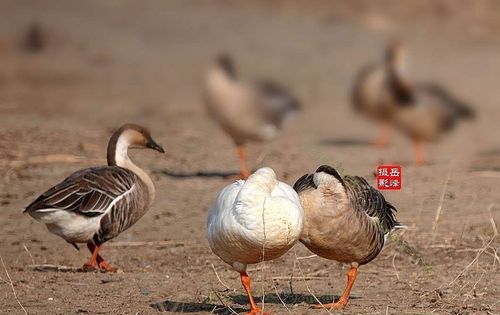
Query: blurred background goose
[
  {"x": 253, "y": 221},
  {"x": 346, "y": 220},
  {"x": 246, "y": 111},
  {"x": 433, "y": 112},
  {"x": 423, "y": 111},
  {"x": 96, "y": 204},
  {"x": 381, "y": 88}
]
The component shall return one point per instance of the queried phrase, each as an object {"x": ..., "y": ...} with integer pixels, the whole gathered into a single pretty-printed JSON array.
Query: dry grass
[
  {"x": 441, "y": 202},
  {"x": 12, "y": 286}
]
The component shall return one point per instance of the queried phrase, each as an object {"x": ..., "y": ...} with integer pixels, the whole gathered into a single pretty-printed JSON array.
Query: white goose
[{"x": 252, "y": 221}]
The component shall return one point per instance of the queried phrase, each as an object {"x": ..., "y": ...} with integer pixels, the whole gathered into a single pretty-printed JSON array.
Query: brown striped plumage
[
  {"x": 346, "y": 219},
  {"x": 96, "y": 204}
]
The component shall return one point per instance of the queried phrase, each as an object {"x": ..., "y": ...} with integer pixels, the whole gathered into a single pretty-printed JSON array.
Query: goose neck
[{"x": 118, "y": 155}]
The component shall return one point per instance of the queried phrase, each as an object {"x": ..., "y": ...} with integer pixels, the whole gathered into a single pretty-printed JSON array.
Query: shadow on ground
[
  {"x": 288, "y": 298},
  {"x": 188, "y": 307},
  {"x": 204, "y": 174},
  {"x": 240, "y": 299},
  {"x": 344, "y": 142}
]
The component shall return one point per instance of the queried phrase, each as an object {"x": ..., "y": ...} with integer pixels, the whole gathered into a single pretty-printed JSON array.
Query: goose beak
[{"x": 155, "y": 146}]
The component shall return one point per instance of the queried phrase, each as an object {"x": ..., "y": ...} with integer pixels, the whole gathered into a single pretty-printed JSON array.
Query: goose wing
[
  {"x": 304, "y": 183},
  {"x": 89, "y": 192},
  {"x": 365, "y": 198},
  {"x": 456, "y": 107},
  {"x": 275, "y": 101}
]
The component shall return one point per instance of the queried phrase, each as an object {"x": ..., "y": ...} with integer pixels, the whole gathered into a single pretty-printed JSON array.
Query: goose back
[
  {"x": 434, "y": 112},
  {"x": 345, "y": 218},
  {"x": 254, "y": 220}
]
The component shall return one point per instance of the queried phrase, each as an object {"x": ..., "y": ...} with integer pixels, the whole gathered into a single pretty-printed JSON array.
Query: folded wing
[{"x": 89, "y": 192}]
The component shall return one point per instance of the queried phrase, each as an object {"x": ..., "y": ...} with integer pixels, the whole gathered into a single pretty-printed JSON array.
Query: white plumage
[
  {"x": 254, "y": 217},
  {"x": 252, "y": 221}
]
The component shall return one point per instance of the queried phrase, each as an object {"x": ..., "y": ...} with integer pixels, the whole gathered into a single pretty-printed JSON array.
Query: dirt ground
[{"x": 106, "y": 63}]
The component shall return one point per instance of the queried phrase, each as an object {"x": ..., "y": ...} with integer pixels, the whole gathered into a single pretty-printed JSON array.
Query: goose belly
[
  {"x": 346, "y": 238},
  {"x": 237, "y": 114},
  {"x": 74, "y": 228},
  {"x": 373, "y": 98},
  {"x": 244, "y": 126},
  {"x": 421, "y": 122}
]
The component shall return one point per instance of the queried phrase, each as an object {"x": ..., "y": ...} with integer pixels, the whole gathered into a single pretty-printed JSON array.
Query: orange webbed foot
[
  {"x": 87, "y": 267},
  {"x": 105, "y": 266},
  {"x": 342, "y": 302},
  {"x": 96, "y": 261}
]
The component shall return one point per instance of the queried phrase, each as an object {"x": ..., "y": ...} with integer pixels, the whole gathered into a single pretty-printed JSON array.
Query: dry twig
[
  {"x": 394, "y": 265},
  {"x": 52, "y": 268},
  {"x": 307, "y": 257},
  {"x": 483, "y": 249},
  {"x": 263, "y": 254},
  {"x": 12, "y": 286},
  {"x": 492, "y": 221},
  {"x": 441, "y": 201},
  {"x": 225, "y": 305},
  {"x": 220, "y": 281},
  {"x": 281, "y": 300},
  {"x": 29, "y": 253},
  {"x": 308, "y": 289}
]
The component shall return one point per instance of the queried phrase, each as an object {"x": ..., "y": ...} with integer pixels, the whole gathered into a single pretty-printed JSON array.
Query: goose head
[
  {"x": 130, "y": 136},
  {"x": 224, "y": 62}
]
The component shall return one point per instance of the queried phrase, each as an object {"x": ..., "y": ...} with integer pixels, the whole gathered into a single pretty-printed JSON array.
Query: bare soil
[{"x": 109, "y": 62}]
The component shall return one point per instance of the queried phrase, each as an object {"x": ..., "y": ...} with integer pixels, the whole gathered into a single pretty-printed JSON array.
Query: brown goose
[
  {"x": 381, "y": 88},
  {"x": 246, "y": 111},
  {"x": 423, "y": 111},
  {"x": 96, "y": 204},
  {"x": 346, "y": 220}
]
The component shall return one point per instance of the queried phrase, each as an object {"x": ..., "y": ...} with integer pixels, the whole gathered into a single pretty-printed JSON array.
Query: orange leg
[
  {"x": 91, "y": 264},
  {"x": 383, "y": 138},
  {"x": 419, "y": 152},
  {"x": 97, "y": 260},
  {"x": 254, "y": 310},
  {"x": 242, "y": 153},
  {"x": 342, "y": 302}
]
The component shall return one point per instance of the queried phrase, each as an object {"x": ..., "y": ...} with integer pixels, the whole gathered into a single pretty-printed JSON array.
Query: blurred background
[{"x": 73, "y": 71}]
